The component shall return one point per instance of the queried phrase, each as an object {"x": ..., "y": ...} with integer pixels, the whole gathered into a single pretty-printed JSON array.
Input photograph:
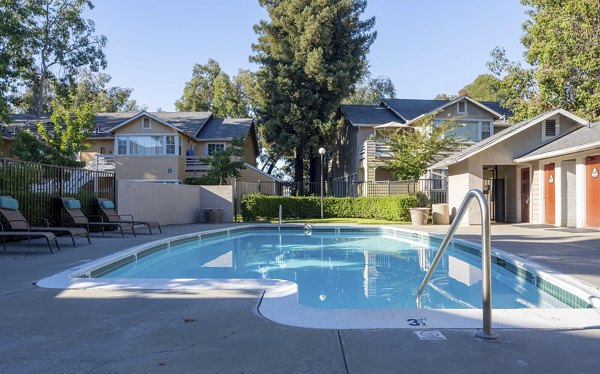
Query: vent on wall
[{"x": 550, "y": 128}]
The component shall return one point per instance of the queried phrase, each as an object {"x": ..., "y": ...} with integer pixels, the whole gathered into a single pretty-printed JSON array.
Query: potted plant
[{"x": 420, "y": 214}]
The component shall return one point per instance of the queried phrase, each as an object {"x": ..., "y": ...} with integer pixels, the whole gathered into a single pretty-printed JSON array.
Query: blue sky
[{"x": 426, "y": 47}]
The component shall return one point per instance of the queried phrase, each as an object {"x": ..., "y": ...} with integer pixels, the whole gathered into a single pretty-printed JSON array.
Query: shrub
[{"x": 392, "y": 208}]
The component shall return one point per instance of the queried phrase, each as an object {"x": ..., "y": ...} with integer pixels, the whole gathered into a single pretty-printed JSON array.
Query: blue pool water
[{"x": 349, "y": 271}]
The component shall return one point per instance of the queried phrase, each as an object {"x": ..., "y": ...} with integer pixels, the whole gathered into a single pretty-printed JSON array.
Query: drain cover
[{"x": 430, "y": 335}]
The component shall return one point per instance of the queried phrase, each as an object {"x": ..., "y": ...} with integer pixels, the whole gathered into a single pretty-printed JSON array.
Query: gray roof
[
  {"x": 225, "y": 128},
  {"x": 497, "y": 107},
  {"x": 412, "y": 108},
  {"x": 369, "y": 115},
  {"x": 586, "y": 135},
  {"x": 507, "y": 132},
  {"x": 190, "y": 123},
  {"x": 187, "y": 122}
]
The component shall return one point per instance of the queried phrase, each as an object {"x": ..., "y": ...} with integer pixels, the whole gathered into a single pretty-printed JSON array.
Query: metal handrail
[{"x": 486, "y": 258}]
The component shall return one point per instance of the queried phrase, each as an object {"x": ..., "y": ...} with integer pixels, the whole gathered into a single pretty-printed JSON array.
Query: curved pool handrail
[{"x": 486, "y": 257}]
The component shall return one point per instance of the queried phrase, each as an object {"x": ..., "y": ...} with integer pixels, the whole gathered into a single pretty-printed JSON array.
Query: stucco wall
[
  {"x": 149, "y": 167},
  {"x": 463, "y": 177},
  {"x": 135, "y": 127},
  {"x": 97, "y": 144},
  {"x": 171, "y": 203}
]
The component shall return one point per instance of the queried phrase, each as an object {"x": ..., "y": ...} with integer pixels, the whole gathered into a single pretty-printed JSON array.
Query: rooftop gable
[
  {"x": 413, "y": 109},
  {"x": 582, "y": 139},
  {"x": 188, "y": 123},
  {"x": 505, "y": 134}
]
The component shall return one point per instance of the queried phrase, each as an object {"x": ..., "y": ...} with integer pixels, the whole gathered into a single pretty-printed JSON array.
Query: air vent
[{"x": 550, "y": 128}]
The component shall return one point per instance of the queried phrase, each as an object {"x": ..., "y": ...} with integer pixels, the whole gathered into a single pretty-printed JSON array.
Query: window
[
  {"x": 122, "y": 145},
  {"x": 212, "y": 147},
  {"x": 461, "y": 107},
  {"x": 145, "y": 123},
  {"x": 467, "y": 131},
  {"x": 486, "y": 130},
  {"x": 550, "y": 129},
  {"x": 170, "y": 145},
  {"x": 145, "y": 145}
]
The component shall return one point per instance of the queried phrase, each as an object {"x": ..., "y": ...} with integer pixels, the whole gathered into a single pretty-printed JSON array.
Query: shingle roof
[
  {"x": 227, "y": 128},
  {"x": 190, "y": 123},
  {"x": 497, "y": 137},
  {"x": 496, "y": 107},
  {"x": 369, "y": 115},
  {"x": 583, "y": 136},
  {"x": 412, "y": 108},
  {"x": 187, "y": 122}
]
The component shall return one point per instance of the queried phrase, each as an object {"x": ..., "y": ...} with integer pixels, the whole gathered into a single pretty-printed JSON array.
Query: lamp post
[{"x": 322, "y": 152}]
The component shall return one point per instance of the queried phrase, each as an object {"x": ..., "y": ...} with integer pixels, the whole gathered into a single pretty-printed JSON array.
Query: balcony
[
  {"x": 195, "y": 164},
  {"x": 378, "y": 150},
  {"x": 101, "y": 163},
  {"x": 373, "y": 149}
]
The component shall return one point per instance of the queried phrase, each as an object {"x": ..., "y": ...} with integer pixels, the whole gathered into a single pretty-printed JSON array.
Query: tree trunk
[
  {"x": 299, "y": 169},
  {"x": 313, "y": 170},
  {"x": 271, "y": 167}
]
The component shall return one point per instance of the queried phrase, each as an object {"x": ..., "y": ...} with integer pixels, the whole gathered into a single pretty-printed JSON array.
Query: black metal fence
[
  {"x": 38, "y": 188},
  {"x": 435, "y": 189}
]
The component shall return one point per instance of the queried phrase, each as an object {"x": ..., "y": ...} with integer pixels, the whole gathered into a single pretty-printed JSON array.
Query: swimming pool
[{"x": 330, "y": 269}]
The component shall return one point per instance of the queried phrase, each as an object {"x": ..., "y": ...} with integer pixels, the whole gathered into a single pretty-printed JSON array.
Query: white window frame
[
  {"x": 220, "y": 143},
  {"x": 556, "y": 127},
  {"x": 164, "y": 152},
  {"x": 149, "y": 123},
  {"x": 458, "y": 107}
]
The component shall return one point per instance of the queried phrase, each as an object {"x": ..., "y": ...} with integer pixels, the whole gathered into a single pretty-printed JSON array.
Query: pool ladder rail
[{"x": 486, "y": 258}]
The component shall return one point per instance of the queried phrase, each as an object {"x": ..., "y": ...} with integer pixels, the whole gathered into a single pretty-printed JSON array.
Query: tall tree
[
  {"x": 311, "y": 54},
  {"x": 13, "y": 47},
  {"x": 86, "y": 87},
  {"x": 211, "y": 89},
  {"x": 60, "y": 42},
  {"x": 483, "y": 88},
  {"x": 372, "y": 90},
  {"x": 92, "y": 88},
  {"x": 562, "y": 41}
]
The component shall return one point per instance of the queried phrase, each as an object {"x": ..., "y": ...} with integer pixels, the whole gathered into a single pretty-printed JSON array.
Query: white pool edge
[{"x": 280, "y": 300}]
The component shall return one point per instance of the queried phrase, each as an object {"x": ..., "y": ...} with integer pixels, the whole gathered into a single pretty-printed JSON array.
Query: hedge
[{"x": 392, "y": 208}]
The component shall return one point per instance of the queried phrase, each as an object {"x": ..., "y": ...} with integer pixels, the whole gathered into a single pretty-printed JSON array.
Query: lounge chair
[
  {"x": 108, "y": 209},
  {"x": 29, "y": 235},
  {"x": 73, "y": 209},
  {"x": 9, "y": 209}
]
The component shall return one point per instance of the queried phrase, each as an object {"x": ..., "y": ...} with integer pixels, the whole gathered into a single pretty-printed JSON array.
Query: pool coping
[{"x": 279, "y": 301}]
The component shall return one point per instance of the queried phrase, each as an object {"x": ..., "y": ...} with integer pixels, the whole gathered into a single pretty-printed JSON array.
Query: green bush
[{"x": 392, "y": 208}]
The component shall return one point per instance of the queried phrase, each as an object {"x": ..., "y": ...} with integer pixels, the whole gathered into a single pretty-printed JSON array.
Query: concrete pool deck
[{"x": 100, "y": 331}]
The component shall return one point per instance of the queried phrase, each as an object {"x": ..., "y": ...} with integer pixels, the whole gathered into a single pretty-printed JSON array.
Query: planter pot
[
  {"x": 419, "y": 216},
  {"x": 440, "y": 214},
  {"x": 213, "y": 215}
]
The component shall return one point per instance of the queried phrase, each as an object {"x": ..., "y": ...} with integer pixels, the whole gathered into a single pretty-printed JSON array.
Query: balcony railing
[
  {"x": 101, "y": 163},
  {"x": 196, "y": 164},
  {"x": 374, "y": 149}
]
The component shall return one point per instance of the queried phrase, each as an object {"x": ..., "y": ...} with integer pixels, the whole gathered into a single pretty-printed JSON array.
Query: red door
[
  {"x": 549, "y": 193},
  {"x": 592, "y": 191},
  {"x": 525, "y": 195}
]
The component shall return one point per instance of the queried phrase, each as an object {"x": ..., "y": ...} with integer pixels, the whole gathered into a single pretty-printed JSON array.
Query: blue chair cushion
[
  {"x": 107, "y": 204},
  {"x": 7, "y": 202},
  {"x": 72, "y": 204}
]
